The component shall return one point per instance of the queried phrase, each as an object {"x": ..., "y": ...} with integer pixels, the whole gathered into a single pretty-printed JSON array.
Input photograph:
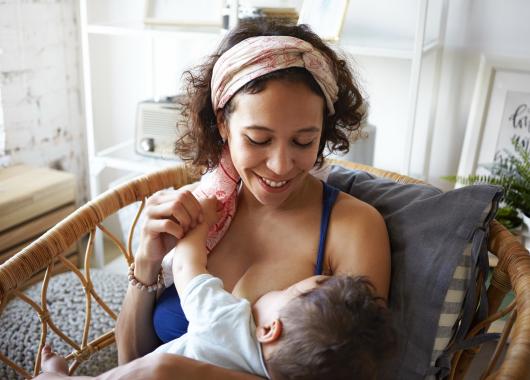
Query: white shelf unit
[
  {"x": 385, "y": 47},
  {"x": 123, "y": 157},
  {"x": 122, "y": 58},
  {"x": 137, "y": 28}
]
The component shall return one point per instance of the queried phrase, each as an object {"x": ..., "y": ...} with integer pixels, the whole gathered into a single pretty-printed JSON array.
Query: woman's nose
[{"x": 280, "y": 161}]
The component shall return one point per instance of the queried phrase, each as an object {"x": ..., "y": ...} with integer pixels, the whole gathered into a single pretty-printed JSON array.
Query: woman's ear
[
  {"x": 221, "y": 125},
  {"x": 269, "y": 333}
]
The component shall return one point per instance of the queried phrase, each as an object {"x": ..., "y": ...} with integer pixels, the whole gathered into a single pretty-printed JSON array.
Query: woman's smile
[{"x": 274, "y": 186}]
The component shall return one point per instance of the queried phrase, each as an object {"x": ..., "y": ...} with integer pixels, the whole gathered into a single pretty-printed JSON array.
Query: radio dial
[{"x": 148, "y": 144}]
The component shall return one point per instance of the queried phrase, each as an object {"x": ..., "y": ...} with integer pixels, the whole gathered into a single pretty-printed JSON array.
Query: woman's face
[{"x": 273, "y": 138}]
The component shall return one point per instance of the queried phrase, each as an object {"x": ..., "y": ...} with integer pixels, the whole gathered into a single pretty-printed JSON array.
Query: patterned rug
[{"x": 21, "y": 329}]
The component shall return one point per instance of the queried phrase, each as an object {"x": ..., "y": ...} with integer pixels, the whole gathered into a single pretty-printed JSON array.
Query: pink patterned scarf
[
  {"x": 244, "y": 62},
  {"x": 221, "y": 183}
]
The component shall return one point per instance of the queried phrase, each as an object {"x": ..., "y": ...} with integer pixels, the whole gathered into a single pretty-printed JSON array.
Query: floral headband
[{"x": 257, "y": 56}]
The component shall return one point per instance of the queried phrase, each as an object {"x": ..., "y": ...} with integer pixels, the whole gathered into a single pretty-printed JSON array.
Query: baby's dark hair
[
  {"x": 337, "y": 330},
  {"x": 202, "y": 142}
]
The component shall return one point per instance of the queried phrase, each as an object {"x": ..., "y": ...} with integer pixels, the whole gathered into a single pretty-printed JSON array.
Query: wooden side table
[{"x": 32, "y": 200}]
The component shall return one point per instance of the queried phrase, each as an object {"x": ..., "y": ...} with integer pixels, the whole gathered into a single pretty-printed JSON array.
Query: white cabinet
[{"x": 126, "y": 62}]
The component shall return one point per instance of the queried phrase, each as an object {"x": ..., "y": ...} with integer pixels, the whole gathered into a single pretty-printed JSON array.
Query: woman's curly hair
[{"x": 202, "y": 144}]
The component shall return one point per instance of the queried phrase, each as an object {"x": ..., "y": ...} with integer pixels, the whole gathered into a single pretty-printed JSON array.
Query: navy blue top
[{"x": 168, "y": 318}]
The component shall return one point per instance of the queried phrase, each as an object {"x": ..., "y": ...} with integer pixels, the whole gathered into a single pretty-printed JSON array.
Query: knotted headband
[
  {"x": 257, "y": 56},
  {"x": 244, "y": 62}
]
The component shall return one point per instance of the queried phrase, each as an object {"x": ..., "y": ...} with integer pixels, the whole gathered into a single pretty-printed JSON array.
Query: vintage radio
[{"x": 158, "y": 126}]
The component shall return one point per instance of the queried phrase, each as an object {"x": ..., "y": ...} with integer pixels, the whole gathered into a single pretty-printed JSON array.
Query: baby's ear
[{"x": 269, "y": 333}]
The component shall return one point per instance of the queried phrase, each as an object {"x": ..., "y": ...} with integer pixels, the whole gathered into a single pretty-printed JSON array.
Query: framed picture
[
  {"x": 500, "y": 112},
  {"x": 325, "y": 17},
  {"x": 197, "y": 13}
]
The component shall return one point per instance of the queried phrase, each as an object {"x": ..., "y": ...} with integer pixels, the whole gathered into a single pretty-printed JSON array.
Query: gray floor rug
[{"x": 20, "y": 329}]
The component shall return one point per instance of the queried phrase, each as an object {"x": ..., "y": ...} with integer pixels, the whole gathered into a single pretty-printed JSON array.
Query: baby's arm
[{"x": 190, "y": 253}]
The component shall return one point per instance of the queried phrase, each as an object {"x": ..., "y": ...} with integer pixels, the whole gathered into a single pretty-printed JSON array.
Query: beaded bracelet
[{"x": 159, "y": 284}]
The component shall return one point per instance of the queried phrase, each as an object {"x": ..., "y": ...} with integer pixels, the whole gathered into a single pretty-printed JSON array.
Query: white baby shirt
[{"x": 221, "y": 328}]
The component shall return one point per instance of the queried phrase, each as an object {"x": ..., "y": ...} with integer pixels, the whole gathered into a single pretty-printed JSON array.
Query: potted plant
[{"x": 512, "y": 172}]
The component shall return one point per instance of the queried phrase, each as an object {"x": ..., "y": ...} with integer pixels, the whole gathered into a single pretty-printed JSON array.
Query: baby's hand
[
  {"x": 190, "y": 254},
  {"x": 211, "y": 210}
]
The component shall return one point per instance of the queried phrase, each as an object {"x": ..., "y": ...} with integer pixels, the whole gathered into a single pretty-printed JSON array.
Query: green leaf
[{"x": 513, "y": 174}]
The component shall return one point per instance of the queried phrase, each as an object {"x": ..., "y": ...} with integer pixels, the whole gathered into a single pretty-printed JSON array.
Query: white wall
[
  {"x": 41, "y": 86},
  {"x": 40, "y": 77},
  {"x": 474, "y": 27},
  {"x": 386, "y": 77}
]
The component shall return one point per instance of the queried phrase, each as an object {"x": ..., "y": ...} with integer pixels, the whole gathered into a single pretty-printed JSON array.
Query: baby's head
[{"x": 324, "y": 327}]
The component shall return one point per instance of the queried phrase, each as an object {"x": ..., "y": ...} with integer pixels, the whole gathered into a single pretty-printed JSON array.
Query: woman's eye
[
  {"x": 303, "y": 144},
  {"x": 257, "y": 142}
]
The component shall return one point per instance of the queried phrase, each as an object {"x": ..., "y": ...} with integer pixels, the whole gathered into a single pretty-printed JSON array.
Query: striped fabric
[
  {"x": 454, "y": 298},
  {"x": 452, "y": 306}
]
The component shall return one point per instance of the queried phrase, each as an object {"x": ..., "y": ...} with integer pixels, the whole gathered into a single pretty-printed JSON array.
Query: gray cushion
[
  {"x": 429, "y": 232},
  {"x": 21, "y": 328}
]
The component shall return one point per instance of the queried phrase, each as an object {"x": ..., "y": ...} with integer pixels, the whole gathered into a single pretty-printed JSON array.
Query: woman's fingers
[
  {"x": 173, "y": 211},
  {"x": 159, "y": 226},
  {"x": 182, "y": 216},
  {"x": 192, "y": 207},
  {"x": 181, "y": 205},
  {"x": 170, "y": 214}
]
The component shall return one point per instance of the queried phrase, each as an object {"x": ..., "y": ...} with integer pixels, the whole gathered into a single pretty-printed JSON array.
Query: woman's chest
[{"x": 260, "y": 255}]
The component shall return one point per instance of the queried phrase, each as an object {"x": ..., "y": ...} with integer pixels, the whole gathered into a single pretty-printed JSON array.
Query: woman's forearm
[
  {"x": 169, "y": 214},
  {"x": 135, "y": 334},
  {"x": 172, "y": 367}
]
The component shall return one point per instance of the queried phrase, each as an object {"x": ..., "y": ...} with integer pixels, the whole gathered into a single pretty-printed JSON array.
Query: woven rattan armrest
[{"x": 18, "y": 270}]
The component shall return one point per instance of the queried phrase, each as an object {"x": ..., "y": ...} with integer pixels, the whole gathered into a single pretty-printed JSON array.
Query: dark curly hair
[
  {"x": 338, "y": 330},
  {"x": 201, "y": 143}
]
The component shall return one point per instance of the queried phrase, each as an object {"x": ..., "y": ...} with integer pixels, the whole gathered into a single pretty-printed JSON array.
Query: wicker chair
[{"x": 511, "y": 273}]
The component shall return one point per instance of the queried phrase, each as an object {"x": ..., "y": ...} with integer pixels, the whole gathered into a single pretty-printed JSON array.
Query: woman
[{"x": 270, "y": 105}]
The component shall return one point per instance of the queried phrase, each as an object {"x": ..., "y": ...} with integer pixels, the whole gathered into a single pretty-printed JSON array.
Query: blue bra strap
[{"x": 329, "y": 195}]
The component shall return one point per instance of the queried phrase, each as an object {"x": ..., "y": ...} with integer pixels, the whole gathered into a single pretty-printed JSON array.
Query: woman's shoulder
[
  {"x": 355, "y": 223},
  {"x": 351, "y": 211}
]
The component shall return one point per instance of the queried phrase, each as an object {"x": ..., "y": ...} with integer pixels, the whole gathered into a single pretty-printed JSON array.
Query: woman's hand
[{"x": 170, "y": 214}]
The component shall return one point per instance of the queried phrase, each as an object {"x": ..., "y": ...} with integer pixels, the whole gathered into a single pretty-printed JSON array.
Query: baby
[{"x": 319, "y": 327}]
